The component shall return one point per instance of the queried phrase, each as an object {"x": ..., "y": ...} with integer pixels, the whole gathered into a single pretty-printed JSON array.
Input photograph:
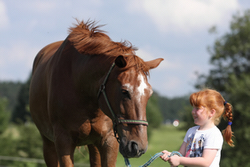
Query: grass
[{"x": 164, "y": 138}]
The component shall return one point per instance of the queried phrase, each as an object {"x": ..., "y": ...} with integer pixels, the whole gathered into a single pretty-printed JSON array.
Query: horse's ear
[
  {"x": 120, "y": 61},
  {"x": 153, "y": 63}
]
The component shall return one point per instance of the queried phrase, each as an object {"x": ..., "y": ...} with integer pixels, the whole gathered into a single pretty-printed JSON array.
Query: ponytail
[{"x": 228, "y": 133}]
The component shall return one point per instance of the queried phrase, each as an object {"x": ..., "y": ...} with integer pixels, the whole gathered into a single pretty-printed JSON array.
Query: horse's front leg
[
  {"x": 94, "y": 156},
  {"x": 109, "y": 150},
  {"x": 65, "y": 148},
  {"x": 104, "y": 154},
  {"x": 49, "y": 153}
]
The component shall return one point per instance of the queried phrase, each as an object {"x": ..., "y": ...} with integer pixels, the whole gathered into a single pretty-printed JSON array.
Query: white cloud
[
  {"x": 171, "y": 83},
  {"x": 185, "y": 16},
  {"x": 59, "y": 7},
  {"x": 4, "y": 20},
  {"x": 16, "y": 60},
  {"x": 166, "y": 64},
  {"x": 146, "y": 56},
  {"x": 39, "y": 6},
  {"x": 43, "y": 6}
]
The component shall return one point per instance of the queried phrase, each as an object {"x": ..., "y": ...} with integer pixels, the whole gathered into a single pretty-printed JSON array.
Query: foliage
[
  {"x": 21, "y": 141},
  {"x": 4, "y": 115},
  {"x": 187, "y": 118},
  {"x": 230, "y": 57},
  {"x": 239, "y": 96},
  {"x": 24, "y": 141},
  {"x": 9, "y": 90},
  {"x": 172, "y": 109},
  {"x": 21, "y": 112},
  {"x": 154, "y": 116}
]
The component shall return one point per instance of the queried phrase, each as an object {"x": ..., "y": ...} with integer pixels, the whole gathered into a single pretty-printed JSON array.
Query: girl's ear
[{"x": 211, "y": 113}]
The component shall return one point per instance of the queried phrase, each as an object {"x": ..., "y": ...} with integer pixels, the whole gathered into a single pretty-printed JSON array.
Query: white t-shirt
[{"x": 197, "y": 140}]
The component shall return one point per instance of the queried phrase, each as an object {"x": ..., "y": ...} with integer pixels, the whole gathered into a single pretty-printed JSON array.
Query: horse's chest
[{"x": 94, "y": 130}]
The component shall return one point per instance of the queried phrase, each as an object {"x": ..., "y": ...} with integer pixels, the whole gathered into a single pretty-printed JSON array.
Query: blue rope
[{"x": 152, "y": 158}]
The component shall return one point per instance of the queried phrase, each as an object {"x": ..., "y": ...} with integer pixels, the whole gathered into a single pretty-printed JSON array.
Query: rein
[
  {"x": 153, "y": 158},
  {"x": 115, "y": 119}
]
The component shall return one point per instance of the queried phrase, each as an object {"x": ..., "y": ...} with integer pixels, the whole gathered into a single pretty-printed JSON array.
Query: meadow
[{"x": 165, "y": 137}]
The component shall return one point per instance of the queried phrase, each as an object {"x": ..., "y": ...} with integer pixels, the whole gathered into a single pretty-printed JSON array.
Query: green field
[{"x": 166, "y": 137}]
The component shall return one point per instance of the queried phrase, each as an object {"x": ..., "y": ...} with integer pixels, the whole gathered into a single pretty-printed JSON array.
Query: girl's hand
[
  {"x": 174, "y": 160},
  {"x": 165, "y": 156}
]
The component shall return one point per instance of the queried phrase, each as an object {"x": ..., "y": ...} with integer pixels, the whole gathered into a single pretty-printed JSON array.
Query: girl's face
[{"x": 200, "y": 115}]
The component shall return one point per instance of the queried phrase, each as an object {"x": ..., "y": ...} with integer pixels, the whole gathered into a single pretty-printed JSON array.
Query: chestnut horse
[{"x": 90, "y": 90}]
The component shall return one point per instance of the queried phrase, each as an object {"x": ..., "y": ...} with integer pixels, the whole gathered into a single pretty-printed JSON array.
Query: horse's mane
[{"x": 88, "y": 39}]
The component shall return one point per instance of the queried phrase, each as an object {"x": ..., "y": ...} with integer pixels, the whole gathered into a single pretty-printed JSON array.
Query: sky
[{"x": 176, "y": 30}]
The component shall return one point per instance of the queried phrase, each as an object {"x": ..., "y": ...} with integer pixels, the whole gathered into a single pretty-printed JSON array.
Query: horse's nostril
[
  {"x": 131, "y": 149},
  {"x": 134, "y": 147}
]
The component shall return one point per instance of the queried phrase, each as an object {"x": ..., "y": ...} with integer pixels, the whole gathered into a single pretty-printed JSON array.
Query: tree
[
  {"x": 240, "y": 96},
  {"x": 230, "y": 57},
  {"x": 187, "y": 118},
  {"x": 4, "y": 115},
  {"x": 172, "y": 109},
  {"x": 23, "y": 141},
  {"x": 21, "y": 112},
  {"x": 154, "y": 116},
  {"x": 9, "y": 90}
]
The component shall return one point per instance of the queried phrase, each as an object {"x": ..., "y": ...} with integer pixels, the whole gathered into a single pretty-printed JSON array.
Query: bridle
[{"x": 115, "y": 119}]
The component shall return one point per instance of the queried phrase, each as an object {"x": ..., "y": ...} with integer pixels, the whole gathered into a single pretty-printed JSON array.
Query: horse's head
[{"x": 127, "y": 93}]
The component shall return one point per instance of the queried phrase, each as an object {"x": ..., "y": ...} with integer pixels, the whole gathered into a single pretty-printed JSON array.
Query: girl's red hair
[{"x": 212, "y": 99}]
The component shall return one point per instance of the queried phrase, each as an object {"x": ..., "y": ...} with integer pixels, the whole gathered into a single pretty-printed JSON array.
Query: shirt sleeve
[
  {"x": 190, "y": 132},
  {"x": 214, "y": 140},
  {"x": 186, "y": 136}
]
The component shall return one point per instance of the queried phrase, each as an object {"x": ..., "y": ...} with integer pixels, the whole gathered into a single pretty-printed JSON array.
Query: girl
[{"x": 203, "y": 143}]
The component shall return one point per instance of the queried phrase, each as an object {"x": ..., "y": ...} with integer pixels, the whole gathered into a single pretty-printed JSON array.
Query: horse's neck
[
  {"x": 87, "y": 72},
  {"x": 90, "y": 72}
]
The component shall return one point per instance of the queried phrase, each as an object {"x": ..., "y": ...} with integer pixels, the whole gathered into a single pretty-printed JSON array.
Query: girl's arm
[
  {"x": 207, "y": 158},
  {"x": 182, "y": 150}
]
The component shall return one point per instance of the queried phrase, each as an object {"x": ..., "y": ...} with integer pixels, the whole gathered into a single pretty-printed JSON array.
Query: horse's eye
[{"x": 125, "y": 93}]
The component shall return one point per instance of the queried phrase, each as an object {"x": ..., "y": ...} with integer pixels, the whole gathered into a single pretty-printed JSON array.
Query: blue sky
[{"x": 176, "y": 30}]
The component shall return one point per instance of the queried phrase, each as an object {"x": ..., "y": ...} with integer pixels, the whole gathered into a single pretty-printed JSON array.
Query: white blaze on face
[
  {"x": 141, "y": 88},
  {"x": 129, "y": 87}
]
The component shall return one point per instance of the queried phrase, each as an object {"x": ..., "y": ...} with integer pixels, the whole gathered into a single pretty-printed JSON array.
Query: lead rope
[{"x": 152, "y": 158}]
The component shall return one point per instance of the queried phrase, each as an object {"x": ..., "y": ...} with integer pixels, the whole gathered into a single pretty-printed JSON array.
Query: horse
[{"x": 90, "y": 90}]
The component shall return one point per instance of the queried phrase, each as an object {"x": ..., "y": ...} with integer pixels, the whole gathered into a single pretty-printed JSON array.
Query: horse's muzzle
[{"x": 131, "y": 149}]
